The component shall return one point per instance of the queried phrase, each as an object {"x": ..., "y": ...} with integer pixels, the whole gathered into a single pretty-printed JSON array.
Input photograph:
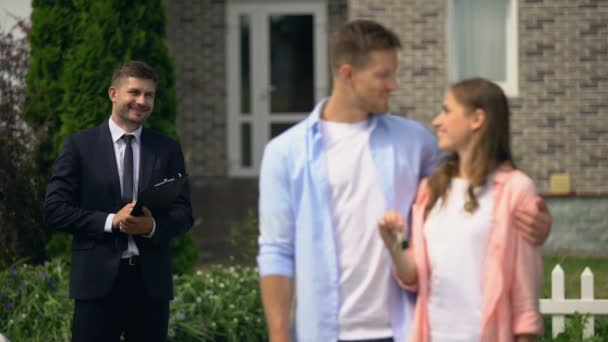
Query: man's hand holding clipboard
[{"x": 160, "y": 195}]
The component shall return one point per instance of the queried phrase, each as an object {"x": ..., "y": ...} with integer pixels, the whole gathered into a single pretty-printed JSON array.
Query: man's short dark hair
[
  {"x": 135, "y": 69},
  {"x": 353, "y": 42}
]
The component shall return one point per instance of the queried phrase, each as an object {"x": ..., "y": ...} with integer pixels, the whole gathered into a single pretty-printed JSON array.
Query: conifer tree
[{"x": 111, "y": 32}]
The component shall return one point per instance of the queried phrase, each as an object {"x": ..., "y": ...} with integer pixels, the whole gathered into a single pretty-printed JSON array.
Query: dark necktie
[
  {"x": 127, "y": 170},
  {"x": 127, "y": 184}
]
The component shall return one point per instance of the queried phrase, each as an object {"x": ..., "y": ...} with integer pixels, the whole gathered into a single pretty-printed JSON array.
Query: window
[{"x": 482, "y": 38}]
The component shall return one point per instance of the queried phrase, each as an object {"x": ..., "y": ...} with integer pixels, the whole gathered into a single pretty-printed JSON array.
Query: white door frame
[{"x": 260, "y": 117}]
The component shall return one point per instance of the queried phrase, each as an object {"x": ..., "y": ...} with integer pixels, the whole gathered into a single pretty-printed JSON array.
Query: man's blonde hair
[{"x": 354, "y": 41}]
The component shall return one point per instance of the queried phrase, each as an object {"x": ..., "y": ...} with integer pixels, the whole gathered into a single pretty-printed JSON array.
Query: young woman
[{"x": 477, "y": 278}]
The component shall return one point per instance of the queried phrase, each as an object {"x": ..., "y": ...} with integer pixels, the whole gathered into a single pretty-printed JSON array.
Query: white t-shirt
[
  {"x": 357, "y": 204},
  {"x": 457, "y": 244}
]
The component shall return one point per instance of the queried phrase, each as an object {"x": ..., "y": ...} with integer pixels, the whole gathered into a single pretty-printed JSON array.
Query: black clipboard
[{"x": 160, "y": 195}]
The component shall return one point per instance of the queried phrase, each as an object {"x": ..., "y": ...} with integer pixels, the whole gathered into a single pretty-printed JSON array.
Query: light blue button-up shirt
[{"x": 297, "y": 238}]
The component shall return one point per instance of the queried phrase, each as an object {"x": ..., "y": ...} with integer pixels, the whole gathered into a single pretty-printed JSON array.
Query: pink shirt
[{"x": 512, "y": 271}]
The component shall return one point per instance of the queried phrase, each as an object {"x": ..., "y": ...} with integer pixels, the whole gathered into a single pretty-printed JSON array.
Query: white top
[
  {"x": 357, "y": 204},
  {"x": 457, "y": 244}
]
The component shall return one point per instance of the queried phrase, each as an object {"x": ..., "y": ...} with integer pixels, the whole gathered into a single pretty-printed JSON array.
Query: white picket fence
[{"x": 558, "y": 306}]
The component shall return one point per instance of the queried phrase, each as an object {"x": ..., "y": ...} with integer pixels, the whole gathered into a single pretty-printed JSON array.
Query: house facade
[{"x": 249, "y": 69}]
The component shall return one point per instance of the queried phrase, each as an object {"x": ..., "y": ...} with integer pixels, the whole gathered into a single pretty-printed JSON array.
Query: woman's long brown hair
[{"x": 491, "y": 146}]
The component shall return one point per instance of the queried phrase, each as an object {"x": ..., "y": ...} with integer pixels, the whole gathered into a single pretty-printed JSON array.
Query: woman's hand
[{"x": 392, "y": 228}]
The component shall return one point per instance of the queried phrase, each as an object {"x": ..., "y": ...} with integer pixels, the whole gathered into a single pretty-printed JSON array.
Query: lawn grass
[{"x": 573, "y": 266}]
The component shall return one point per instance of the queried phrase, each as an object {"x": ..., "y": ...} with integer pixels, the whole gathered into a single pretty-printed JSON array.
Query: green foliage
[
  {"x": 21, "y": 232},
  {"x": 59, "y": 247},
  {"x": 221, "y": 304},
  {"x": 243, "y": 240},
  {"x": 53, "y": 33},
  {"x": 34, "y": 302},
  {"x": 185, "y": 253},
  {"x": 575, "y": 325}
]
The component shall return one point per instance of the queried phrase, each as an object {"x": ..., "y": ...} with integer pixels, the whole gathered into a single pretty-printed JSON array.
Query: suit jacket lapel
[
  {"x": 147, "y": 158},
  {"x": 106, "y": 146}
]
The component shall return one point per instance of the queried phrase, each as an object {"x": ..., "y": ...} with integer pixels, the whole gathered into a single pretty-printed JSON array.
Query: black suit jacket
[{"x": 85, "y": 188}]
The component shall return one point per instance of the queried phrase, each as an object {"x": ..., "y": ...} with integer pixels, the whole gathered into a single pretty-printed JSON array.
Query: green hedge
[{"x": 219, "y": 304}]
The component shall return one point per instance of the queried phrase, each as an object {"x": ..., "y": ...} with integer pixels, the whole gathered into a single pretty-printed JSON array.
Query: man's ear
[
  {"x": 345, "y": 72},
  {"x": 112, "y": 93},
  {"x": 478, "y": 119}
]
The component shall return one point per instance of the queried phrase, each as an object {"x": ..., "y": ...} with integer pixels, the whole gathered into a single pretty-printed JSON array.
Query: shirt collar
[
  {"x": 314, "y": 119},
  {"x": 118, "y": 132}
]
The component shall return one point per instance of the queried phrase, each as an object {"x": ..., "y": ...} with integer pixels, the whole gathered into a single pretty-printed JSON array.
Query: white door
[{"x": 277, "y": 71}]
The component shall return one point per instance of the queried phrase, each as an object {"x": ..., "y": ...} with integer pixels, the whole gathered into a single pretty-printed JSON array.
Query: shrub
[
  {"x": 35, "y": 304},
  {"x": 574, "y": 329},
  {"x": 243, "y": 240},
  {"x": 185, "y": 253},
  {"x": 220, "y": 304},
  {"x": 21, "y": 232},
  {"x": 60, "y": 247}
]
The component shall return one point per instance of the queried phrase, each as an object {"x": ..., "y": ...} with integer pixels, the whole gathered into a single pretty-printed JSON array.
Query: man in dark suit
[{"x": 121, "y": 276}]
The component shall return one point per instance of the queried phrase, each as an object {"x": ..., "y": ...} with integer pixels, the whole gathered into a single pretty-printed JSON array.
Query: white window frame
[
  {"x": 260, "y": 117},
  {"x": 511, "y": 85}
]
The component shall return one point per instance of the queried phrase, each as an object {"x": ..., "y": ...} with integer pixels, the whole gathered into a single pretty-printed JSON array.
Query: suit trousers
[{"x": 126, "y": 311}]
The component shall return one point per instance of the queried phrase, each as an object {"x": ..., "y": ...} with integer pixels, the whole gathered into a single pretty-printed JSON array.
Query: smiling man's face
[{"x": 132, "y": 101}]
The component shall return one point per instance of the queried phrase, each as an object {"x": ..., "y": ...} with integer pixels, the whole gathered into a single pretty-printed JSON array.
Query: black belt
[{"x": 133, "y": 260}]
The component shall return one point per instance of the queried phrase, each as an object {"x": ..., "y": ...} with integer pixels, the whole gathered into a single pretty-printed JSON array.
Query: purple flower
[
  {"x": 8, "y": 305},
  {"x": 53, "y": 284}
]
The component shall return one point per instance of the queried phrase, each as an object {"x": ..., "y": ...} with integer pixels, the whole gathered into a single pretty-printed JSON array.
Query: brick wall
[
  {"x": 196, "y": 38},
  {"x": 560, "y": 119}
]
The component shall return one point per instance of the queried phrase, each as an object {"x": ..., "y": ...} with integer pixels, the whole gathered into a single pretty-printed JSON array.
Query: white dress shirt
[{"x": 119, "y": 152}]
